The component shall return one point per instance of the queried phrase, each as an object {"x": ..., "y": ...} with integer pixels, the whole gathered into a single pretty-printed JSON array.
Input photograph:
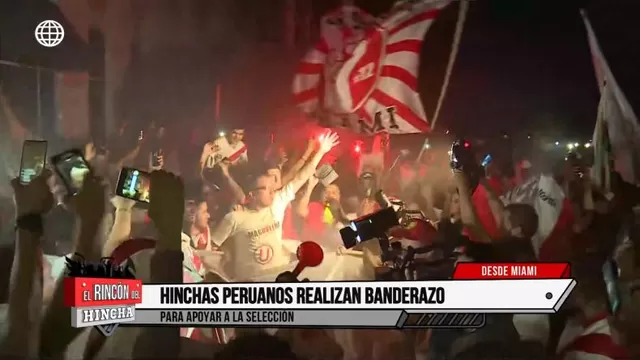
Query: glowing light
[
  {"x": 587, "y": 145},
  {"x": 467, "y": 144},
  {"x": 446, "y": 132},
  {"x": 557, "y": 143},
  {"x": 570, "y": 146},
  {"x": 427, "y": 146},
  {"x": 576, "y": 145},
  {"x": 221, "y": 133},
  {"x": 356, "y": 148}
]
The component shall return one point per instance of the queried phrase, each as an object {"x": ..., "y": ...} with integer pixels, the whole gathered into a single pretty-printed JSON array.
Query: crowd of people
[{"x": 228, "y": 217}]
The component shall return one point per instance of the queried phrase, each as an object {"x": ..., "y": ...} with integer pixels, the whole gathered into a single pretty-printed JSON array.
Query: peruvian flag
[{"x": 555, "y": 215}]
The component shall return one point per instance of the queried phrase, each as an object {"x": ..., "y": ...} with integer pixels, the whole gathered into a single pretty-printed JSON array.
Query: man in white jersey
[
  {"x": 252, "y": 239},
  {"x": 228, "y": 147}
]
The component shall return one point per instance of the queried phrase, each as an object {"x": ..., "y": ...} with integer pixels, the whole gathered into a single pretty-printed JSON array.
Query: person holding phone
[{"x": 229, "y": 147}]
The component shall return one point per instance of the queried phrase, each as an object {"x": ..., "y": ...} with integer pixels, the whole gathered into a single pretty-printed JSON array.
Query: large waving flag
[
  {"x": 380, "y": 81},
  {"x": 314, "y": 85},
  {"x": 363, "y": 74},
  {"x": 617, "y": 129}
]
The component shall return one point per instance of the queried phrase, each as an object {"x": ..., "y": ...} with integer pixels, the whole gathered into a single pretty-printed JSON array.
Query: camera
[
  {"x": 368, "y": 227},
  {"x": 400, "y": 263}
]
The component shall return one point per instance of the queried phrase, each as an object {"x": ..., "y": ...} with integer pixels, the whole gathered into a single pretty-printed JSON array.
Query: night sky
[{"x": 523, "y": 66}]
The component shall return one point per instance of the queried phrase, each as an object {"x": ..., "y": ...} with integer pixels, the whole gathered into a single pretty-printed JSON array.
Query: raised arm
[
  {"x": 326, "y": 143},
  {"x": 495, "y": 204},
  {"x": 32, "y": 201},
  {"x": 121, "y": 228},
  {"x": 236, "y": 189},
  {"x": 290, "y": 174},
  {"x": 89, "y": 204},
  {"x": 467, "y": 210},
  {"x": 302, "y": 207},
  {"x": 166, "y": 209},
  {"x": 207, "y": 150}
]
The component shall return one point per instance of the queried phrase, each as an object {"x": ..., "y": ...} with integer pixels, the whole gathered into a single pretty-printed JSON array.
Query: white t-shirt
[
  {"x": 252, "y": 240},
  {"x": 221, "y": 149}
]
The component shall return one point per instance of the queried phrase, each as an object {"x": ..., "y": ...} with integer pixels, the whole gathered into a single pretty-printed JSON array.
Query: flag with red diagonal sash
[
  {"x": 374, "y": 86},
  {"x": 381, "y": 78},
  {"x": 314, "y": 86}
]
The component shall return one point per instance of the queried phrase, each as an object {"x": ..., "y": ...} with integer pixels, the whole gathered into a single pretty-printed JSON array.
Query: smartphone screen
[
  {"x": 34, "y": 157},
  {"x": 326, "y": 174},
  {"x": 487, "y": 160},
  {"x": 134, "y": 184},
  {"x": 610, "y": 273},
  {"x": 72, "y": 169}
]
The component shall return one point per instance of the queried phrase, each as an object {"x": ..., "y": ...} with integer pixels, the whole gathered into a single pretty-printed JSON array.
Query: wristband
[{"x": 31, "y": 223}]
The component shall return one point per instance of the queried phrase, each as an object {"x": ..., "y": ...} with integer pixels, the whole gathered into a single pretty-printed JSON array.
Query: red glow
[
  {"x": 466, "y": 144},
  {"x": 357, "y": 148}
]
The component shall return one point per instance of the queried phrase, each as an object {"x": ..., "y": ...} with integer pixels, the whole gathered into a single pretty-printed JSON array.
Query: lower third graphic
[{"x": 103, "y": 302}]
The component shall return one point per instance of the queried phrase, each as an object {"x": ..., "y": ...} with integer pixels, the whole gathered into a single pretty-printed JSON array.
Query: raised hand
[
  {"x": 120, "y": 202},
  {"x": 159, "y": 163},
  {"x": 90, "y": 202},
  {"x": 328, "y": 141},
  {"x": 311, "y": 146},
  {"x": 166, "y": 208},
  {"x": 34, "y": 197},
  {"x": 90, "y": 151},
  {"x": 224, "y": 166}
]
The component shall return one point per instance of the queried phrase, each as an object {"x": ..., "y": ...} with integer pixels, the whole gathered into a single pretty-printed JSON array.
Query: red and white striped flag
[
  {"x": 363, "y": 74},
  {"x": 314, "y": 85},
  {"x": 381, "y": 78}
]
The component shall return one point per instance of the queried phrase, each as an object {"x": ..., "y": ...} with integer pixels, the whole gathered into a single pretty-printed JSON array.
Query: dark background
[{"x": 523, "y": 65}]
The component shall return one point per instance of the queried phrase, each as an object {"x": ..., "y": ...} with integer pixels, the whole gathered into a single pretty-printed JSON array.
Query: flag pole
[
  {"x": 218, "y": 98},
  {"x": 462, "y": 15}
]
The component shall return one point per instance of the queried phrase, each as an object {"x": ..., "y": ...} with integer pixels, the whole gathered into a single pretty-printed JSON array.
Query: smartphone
[
  {"x": 326, "y": 174},
  {"x": 134, "y": 184},
  {"x": 487, "y": 160},
  {"x": 34, "y": 157},
  {"x": 155, "y": 158},
  {"x": 611, "y": 272},
  {"x": 72, "y": 168}
]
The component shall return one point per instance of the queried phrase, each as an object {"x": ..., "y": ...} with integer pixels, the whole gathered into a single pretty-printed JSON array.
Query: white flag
[
  {"x": 548, "y": 199},
  {"x": 617, "y": 123}
]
